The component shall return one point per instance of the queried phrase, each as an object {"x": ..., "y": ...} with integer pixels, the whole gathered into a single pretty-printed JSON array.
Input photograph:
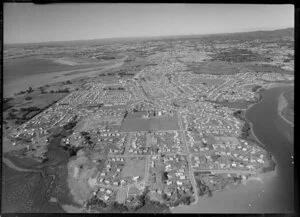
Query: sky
[{"x": 26, "y": 22}]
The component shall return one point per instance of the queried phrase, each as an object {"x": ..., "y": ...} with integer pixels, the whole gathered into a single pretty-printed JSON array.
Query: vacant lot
[{"x": 134, "y": 167}]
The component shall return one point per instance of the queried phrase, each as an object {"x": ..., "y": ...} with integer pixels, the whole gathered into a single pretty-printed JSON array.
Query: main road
[{"x": 192, "y": 177}]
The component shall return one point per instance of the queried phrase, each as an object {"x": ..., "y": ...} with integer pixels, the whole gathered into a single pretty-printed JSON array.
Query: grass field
[
  {"x": 213, "y": 68},
  {"x": 206, "y": 81},
  {"x": 135, "y": 122},
  {"x": 121, "y": 195},
  {"x": 134, "y": 167},
  {"x": 133, "y": 190},
  {"x": 92, "y": 122},
  {"x": 267, "y": 69}
]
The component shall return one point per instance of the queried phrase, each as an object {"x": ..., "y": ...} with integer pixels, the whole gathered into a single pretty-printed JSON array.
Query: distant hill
[
  {"x": 250, "y": 36},
  {"x": 240, "y": 36}
]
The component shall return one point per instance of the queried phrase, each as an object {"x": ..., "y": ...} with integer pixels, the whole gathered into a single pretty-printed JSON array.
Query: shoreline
[
  {"x": 65, "y": 62},
  {"x": 11, "y": 165}
]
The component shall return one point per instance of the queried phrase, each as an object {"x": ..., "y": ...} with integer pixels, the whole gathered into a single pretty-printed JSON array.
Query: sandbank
[
  {"x": 282, "y": 104},
  {"x": 65, "y": 62}
]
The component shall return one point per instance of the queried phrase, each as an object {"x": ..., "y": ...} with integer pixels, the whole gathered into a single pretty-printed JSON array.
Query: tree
[
  {"x": 119, "y": 207},
  {"x": 30, "y": 89},
  {"x": 209, "y": 193},
  {"x": 125, "y": 115},
  {"x": 164, "y": 196},
  {"x": 42, "y": 90},
  {"x": 83, "y": 133},
  {"x": 164, "y": 176}
]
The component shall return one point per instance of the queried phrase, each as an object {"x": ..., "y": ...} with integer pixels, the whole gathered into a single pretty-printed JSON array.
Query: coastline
[
  {"x": 254, "y": 182},
  {"x": 259, "y": 179},
  {"x": 257, "y": 188},
  {"x": 266, "y": 86}
]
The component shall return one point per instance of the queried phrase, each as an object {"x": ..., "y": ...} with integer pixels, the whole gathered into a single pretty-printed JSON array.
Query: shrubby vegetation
[
  {"x": 66, "y": 90},
  {"x": 28, "y": 98},
  {"x": 141, "y": 203},
  {"x": 29, "y": 90},
  {"x": 114, "y": 88},
  {"x": 239, "y": 114},
  {"x": 67, "y": 82},
  {"x": 120, "y": 73},
  {"x": 22, "y": 116},
  {"x": 255, "y": 88}
]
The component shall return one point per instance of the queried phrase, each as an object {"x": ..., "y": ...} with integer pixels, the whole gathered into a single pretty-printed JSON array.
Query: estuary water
[
  {"x": 20, "y": 73},
  {"x": 274, "y": 192}
]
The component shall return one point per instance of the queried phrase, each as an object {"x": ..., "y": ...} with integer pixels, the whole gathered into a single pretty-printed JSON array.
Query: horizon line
[{"x": 154, "y": 36}]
